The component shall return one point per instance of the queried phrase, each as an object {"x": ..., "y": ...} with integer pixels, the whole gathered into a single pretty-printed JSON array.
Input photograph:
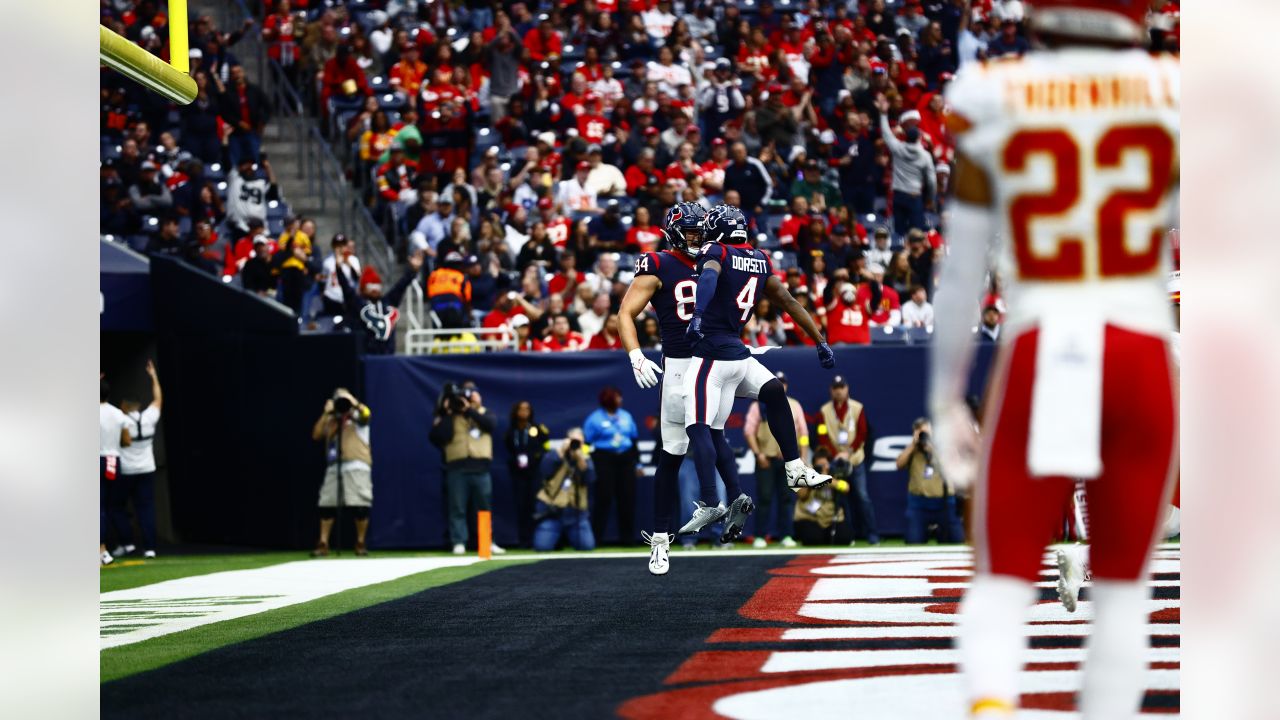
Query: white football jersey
[{"x": 1081, "y": 150}]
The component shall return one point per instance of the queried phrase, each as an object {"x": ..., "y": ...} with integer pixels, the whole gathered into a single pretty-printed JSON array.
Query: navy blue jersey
[
  {"x": 743, "y": 273},
  {"x": 673, "y": 300}
]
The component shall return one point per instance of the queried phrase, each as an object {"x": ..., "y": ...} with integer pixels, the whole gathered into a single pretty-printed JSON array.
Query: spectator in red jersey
[
  {"x": 885, "y": 305},
  {"x": 607, "y": 338},
  {"x": 793, "y": 335},
  {"x": 409, "y": 73},
  {"x": 643, "y": 235},
  {"x": 847, "y": 319},
  {"x": 563, "y": 338},
  {"x": 342, "y": 76},
  {"x": 643, "y": 178},
  {"x": 283, "y": 33},
  {"x": 245, "y": 246},
  {"x": 566, "y": 281},
  {"x": 543, "y": 41},
  {"x": 525, "y": 342}
]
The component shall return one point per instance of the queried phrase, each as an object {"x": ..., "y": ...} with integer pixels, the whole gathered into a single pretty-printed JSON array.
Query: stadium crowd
[{"x": 526, "y": 152}]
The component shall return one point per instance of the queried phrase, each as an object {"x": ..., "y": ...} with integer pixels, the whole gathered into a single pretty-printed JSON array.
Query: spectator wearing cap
[
  {"x": 436, "y": 227},
  {"x": 920, "y": 256},
  {"x": 373, "y": 312},
  {"x": 525, "y": 339},
  {"x": 572, "y": 196},
  {"x": 558, "y": 227},
  {"x": 821, "y": 194},
  {"x": 150, "y": 195},
  {"x": 244, "y": 108},
  {"x": 917, "y": 312},
  {"x": 848, "y": 321},
  {"x": 331, "y": 297},
  {"x": 883, "y": 301},
  {"x": 449, "y": 291},
  {"x": 775, "y": 502},
  {"x": 842, "y": 430},
  {"x": 603, "y": 179},
  {"x": 748, "y": 176},
  {"x": 255, "y": 274},
  {"x": 248, "y": 192},
  {"x": 989, "y": 329},
  {"x": 720, "y": 100},
  {"x": 880, "y": 253},
  {"x": 914, "y": 177}
]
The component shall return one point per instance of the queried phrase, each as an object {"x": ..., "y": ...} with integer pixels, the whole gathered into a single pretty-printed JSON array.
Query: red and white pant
[{"x": 1016, "y": 515}]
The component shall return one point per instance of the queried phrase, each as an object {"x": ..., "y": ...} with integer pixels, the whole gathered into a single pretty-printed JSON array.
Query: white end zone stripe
[{"x": 142, "y": 613}]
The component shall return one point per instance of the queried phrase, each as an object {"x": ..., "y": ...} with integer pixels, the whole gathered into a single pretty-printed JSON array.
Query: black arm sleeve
[
  {"x": 485, "y": 421},
  {"x": 442, "y": 432}
]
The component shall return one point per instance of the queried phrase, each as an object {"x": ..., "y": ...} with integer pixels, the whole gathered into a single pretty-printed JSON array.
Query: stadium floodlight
[{"x": 158, "y": 76}]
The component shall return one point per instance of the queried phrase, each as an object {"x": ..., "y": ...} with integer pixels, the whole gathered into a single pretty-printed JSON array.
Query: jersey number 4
[
  {"x": 1115, "y": 258},
  {"x": 747, "y": 298}
]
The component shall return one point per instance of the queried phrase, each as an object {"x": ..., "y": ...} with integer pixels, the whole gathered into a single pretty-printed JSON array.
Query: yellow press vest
[
  {"x": 826, "y": 512},
  {"x": 764, "y": 436},
  {"x": 834, "y": 428},
  {"x": 464, "y": 445}
]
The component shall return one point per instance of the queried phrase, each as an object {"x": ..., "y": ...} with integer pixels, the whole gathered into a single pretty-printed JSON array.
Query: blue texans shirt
[
  {"x": 743, "y": 273},
  {"x": 674, "y": 300}
]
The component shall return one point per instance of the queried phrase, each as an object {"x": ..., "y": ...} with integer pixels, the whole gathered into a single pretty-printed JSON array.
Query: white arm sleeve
[{"x": 963, "y": 271}]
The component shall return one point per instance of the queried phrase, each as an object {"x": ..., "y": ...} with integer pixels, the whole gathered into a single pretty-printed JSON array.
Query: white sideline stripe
[
  {"x": 142, "y": 613},
  {"x": 800, "y": 661},
  {"x": 947, "y": 631}
]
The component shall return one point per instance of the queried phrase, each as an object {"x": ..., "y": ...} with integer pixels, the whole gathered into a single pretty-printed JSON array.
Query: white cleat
[
  {"x": 459, "y": 549},
  {"x": 702, "y": 517},
  {"x": 788, "y": 542},
  {"x": 800, "y": 475},
  {"x": 106, "y": 558},
  {"x": 1071, "y": 575},
  {"x": 149, "y": 554},
  {"x": 659, "y": 552},
  {"x": 496, "y": 549},
  {"x": 760, "y": 543}
]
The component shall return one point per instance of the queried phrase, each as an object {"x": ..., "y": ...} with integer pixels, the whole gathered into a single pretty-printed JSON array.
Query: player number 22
[
  {"x": 747, "y": 298},
  {"x": 1114, "y": 256}
]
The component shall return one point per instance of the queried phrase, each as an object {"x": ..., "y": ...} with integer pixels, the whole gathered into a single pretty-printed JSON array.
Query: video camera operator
[
  {"x": 563, "y": 505},
  {"x": 344, "y": 413},
  {"x": 819, "y": 514},
  {"x": 930, "y": 498},
  {"x": 463, "y": 430}
]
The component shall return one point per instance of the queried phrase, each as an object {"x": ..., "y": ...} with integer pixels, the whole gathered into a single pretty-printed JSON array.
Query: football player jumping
[{"x": 668, "y": 279}]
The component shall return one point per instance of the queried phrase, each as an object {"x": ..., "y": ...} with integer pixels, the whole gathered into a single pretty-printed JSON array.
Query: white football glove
[
  {"x": 955, "y": 435},
  {"x": 645, "y": 370}
]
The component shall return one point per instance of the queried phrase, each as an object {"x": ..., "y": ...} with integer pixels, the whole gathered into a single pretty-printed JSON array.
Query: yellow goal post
[{"x": 130, "y": 60}]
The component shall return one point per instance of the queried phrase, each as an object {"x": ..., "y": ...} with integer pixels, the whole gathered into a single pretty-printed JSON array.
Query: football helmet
[
  {"x": 682, "y": 219},
  {"x": 1110, "y": 21},
  {"x": 724, "y": 224}
]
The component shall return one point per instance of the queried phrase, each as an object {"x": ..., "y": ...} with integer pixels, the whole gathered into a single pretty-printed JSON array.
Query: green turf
[{"x": 125, "y": 660}]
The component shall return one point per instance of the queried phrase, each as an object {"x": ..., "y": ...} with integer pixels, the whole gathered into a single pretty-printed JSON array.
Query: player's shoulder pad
[
  {"x": 973, "y": 97},
  {"x": 648, "y": 263}
]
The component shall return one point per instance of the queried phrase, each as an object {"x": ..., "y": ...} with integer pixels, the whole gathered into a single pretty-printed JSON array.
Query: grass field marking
[
  {"x": 126, "y": 660},
  {"x": 238, "y": 593}
]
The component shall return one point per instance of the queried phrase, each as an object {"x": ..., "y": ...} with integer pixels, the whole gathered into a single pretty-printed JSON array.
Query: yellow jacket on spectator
[{"x": 301, "y": 240}]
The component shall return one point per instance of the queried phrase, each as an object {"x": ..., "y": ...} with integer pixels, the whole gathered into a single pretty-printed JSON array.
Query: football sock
[
  {"x": 727, "y": 464},
  {"x": 991, "y": 637},
  {"x": 781, "y": 423},
  {"x": 1115, "y": 660},
  {"x": 665, "y": 489},
  {"x": 704, "y": 461}
]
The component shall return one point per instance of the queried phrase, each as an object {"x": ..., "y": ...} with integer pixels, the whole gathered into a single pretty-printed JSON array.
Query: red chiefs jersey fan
[{"x": 1068, "y": 156}]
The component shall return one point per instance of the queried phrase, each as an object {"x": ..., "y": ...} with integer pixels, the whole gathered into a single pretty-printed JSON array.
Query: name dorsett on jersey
[{"x": 748, "y": 264}]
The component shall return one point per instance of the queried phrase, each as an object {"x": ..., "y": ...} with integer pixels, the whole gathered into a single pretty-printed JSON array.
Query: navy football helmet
[
  {"x": 724, "y": 224},
  {"x": 684, "y": 219}
]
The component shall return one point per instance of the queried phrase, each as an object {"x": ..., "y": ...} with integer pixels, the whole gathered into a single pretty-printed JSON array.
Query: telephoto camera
[
  {"x": 456, "y": 397},
  {"x": 575, "y": 445},
  {"x": 342, "y": 404}
]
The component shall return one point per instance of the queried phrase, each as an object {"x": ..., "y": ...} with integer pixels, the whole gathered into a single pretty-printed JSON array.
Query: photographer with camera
[
  {"x": 344, "y": 429},
  {"x": 842, "y": 430},
  {"x": 463, "y": 430},
  {"x": 819, "y": 515},
  {"x": 563, "y": 506},
  {"x": 931, "y": 499}
]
